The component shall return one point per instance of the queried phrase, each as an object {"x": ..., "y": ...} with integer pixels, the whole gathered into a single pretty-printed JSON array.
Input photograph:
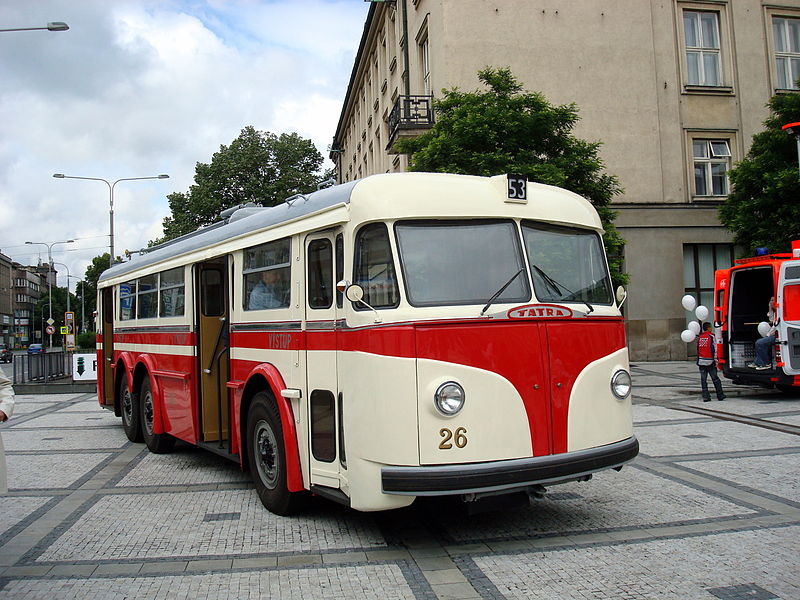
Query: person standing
[
  {"x": 707, "y": 363},
  {"x": 6, "y": 408}
]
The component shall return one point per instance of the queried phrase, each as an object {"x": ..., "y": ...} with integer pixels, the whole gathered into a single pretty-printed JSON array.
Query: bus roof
[
  {"x": 379, "y": 197},
  {"x": 243, "y": 221}
]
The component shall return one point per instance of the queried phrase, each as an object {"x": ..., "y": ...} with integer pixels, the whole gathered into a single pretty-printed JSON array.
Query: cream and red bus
[{"x": 399, "y": 336}]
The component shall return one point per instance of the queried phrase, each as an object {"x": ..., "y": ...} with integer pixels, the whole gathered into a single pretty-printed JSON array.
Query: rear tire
[
  {"x": 129, "y": 407},
  {"x": 267, "y": 457},
  {"x": 157, "y": 443}
]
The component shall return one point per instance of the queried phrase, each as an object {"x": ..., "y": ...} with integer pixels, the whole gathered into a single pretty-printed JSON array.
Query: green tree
[
  {"x": 763, "y": 208},
  {"x": 258, "y": 167},
  {"x": 506, "y": 130}
]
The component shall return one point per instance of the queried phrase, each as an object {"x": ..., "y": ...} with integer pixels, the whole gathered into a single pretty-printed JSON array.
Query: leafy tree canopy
[
  {"x": 763, "y": 208},
  {"x": 507, "y": 130},
  {"x": 258, "y": 166}
]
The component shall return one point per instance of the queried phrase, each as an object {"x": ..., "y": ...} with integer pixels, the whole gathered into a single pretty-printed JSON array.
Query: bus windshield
[
  {"x": 460, "y": 262},
  {"x": 567, "y": 265}
]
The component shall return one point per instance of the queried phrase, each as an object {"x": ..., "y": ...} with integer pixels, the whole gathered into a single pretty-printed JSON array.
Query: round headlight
[
  {"x": 621, "y": 384},
  {"x": 449, "y": 398}
]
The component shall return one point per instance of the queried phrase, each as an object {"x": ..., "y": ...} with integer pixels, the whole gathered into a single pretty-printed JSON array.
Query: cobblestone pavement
[{"x": 710, "y": 509}]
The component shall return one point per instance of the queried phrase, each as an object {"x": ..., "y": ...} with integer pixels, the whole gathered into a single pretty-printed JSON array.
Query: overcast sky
[{"x": 142, "y": 87}]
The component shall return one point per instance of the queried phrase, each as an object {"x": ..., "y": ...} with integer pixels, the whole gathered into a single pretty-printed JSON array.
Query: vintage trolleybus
[
  {"x": 741, "y": 301},
  {"x": 403, "y": 335}
]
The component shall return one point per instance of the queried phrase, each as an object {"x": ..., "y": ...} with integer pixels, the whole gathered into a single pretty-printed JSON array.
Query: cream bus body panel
[
  {"x": 495, "y": 424},
  {"x": 379, "y": 427},
  {"x": 433, "y": 195},
  {"x": 596, "y": 417}
]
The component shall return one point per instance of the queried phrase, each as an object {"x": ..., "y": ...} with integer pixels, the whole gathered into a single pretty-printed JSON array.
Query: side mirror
[
  {"x": 354, "y": 293},
  {"x": 621, "y": 296}
]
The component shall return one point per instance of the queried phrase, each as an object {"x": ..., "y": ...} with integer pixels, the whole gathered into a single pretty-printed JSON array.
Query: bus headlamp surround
[
  {"x": 621, "y": 384},
  {"x": 449, "y": 398}
]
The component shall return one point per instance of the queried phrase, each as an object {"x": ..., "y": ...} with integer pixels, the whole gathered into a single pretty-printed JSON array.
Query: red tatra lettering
[{"x": 549, "y": 312}]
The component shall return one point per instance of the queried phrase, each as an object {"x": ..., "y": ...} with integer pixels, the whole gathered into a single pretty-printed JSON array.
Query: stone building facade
[{"x": 674, "y": 89}]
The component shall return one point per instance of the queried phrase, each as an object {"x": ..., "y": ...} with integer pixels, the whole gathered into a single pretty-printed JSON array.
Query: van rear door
[{"x": 789, "y": 327}]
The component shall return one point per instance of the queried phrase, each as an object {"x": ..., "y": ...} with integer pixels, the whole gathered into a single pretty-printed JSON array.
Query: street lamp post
[
  {"x": 50, "y": 276},
  {"x": 110, "y": 199},
  {"x": 53, "y": 26},
  {"x": 68, "y": 276}
]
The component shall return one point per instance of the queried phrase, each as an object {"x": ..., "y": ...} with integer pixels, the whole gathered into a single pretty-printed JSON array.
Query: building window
[
  {"x": 711, "y": 160},
  {"x": 425, "y": 65},
  {"x": 699, "y": 263},
  {"x": 786, "y": 35},
  {"x": 701, "y": 38}
]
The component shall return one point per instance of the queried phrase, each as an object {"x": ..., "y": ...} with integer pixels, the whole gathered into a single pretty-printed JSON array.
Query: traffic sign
[
  {"x": 50, "y": 321},
  {"x": 50, "y": 330}
]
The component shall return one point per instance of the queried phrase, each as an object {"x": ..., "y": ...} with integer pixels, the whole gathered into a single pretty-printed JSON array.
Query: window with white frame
[
  {"x": 701, "y": 38},
  {"x": 711, "y": 161},
  {"x": 786, "y": 36}
]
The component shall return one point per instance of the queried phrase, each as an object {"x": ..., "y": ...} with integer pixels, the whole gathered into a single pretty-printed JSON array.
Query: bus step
[
  {"x": 215, "y": 448},
  {"x": 330, "y": 493}
]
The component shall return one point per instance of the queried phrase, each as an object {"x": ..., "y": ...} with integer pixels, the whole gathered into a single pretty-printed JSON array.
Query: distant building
[
  {"x": 6, "y": 301},
  {"x": 674, "y": 89},
  {"x": 30, "y": 284}
]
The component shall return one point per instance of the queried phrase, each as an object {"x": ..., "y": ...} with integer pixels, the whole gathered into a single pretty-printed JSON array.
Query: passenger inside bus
[{"x": 268, "y": 292}]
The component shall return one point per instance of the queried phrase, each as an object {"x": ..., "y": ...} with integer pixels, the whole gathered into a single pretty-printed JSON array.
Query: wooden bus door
[
  {"x": 322, "y": 397},
  {"x": 107, "y": 317},
  {"x": 211, "y": 306}
]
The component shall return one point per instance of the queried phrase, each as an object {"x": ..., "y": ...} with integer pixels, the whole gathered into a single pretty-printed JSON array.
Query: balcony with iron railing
[{"x": 411, "y": 116}]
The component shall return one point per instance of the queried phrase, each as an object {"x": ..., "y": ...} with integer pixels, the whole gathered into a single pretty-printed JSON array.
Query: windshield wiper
[
  {"x": 555, "y": 285},
  {"x": 501, "y": 290}
]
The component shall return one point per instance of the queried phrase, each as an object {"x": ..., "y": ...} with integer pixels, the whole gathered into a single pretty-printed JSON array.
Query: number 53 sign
[{"x": 517, "y": 188}]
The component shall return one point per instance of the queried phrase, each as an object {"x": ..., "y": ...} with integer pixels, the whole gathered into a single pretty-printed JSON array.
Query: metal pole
[
  {"x": 111, "y": 220},
  {"x": 49, "y": 288}
]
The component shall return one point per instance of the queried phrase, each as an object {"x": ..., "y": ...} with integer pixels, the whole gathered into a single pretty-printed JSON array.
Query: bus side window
[
  {"x": 127, "y": 301},
  {"x": 339, "y": 268},
  {"x": 267, "y": 275},
  {"x": 320, "y": 274},
  {"x": 374, "y": 268}
]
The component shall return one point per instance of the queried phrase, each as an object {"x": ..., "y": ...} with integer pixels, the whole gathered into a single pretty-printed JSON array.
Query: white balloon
[
  {"x": 701, "y": 312},
  {"x": 763, "y": 328},
  {"x": 687, "y": 335},
  {"x": 688, "y": 302},
  {"x": 694, "y": 327}
]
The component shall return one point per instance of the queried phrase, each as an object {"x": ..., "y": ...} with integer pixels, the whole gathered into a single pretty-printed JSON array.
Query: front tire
[
  {"x": 157, "y": 443},
  {"x": 268, "y": 456},
  {"x": 129, "y": 407}
]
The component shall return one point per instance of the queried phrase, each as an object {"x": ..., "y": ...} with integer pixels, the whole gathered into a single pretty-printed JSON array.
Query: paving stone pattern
[{"x": 710, "y": 509}]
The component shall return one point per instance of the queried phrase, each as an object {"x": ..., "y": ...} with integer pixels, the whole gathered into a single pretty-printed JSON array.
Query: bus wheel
[
  {"x": 267, "y": 456},
  {"x": 157, "y": 443},
  {"x": 130, "y": 412}
]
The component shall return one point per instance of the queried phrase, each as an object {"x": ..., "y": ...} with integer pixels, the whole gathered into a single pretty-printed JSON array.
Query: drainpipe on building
[{"x": 406, "y": 75}]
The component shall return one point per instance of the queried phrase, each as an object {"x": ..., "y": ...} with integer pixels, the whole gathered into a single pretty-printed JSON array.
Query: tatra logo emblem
[{"x": 540, "y": 311}]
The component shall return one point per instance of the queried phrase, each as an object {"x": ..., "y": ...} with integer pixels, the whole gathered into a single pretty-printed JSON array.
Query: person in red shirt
[{"x": 707, "y": 363}]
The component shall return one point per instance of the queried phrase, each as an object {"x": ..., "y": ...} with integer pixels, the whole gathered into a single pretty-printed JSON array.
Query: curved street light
[
  {"x": 52, "y": 26},
  {"x": 50, "y": 276},
  {"x": 110, "y": 200}
]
